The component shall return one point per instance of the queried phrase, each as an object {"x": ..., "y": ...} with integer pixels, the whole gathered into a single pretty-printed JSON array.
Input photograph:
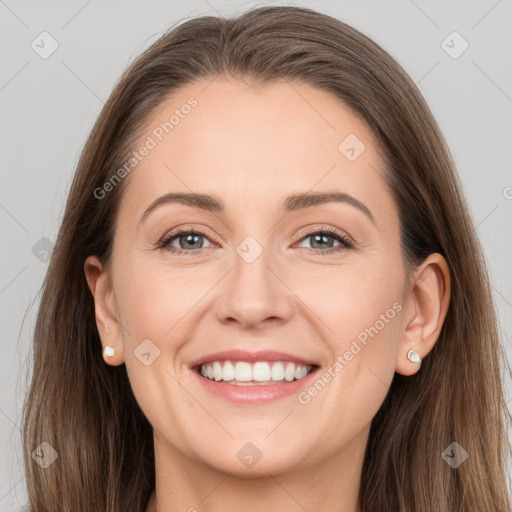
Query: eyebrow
[{"x": 293, "y": 202}]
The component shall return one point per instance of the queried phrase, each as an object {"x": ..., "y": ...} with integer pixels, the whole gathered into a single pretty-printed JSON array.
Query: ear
[
  {"x": 425, "y": 311},
  {"x": 99, "y": 282}
]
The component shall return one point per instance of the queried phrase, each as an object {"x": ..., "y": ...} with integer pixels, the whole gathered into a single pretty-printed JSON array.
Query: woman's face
[{"x": 271, "y": 275}]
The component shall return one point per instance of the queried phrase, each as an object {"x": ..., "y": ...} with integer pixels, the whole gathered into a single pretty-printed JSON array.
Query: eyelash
[{"x": 346, "y": 243}]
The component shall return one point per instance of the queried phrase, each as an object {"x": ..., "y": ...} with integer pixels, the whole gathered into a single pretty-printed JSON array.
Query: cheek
[
  {"x": 153, "y": 304},
  {"x": 153, "y": 299},
  {"x": 352, "y": 307},
  {"x": 359, "y": 300},
  {"x": 358, "y": 308},
  {"x": 368, "y": 317}
]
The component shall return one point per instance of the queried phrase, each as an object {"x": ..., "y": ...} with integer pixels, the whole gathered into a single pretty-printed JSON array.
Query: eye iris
[
  {"x": 320, "y": 238},
  {"x": 190, "y": 238}
]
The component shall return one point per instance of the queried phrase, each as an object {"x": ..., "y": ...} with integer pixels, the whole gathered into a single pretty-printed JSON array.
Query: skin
[{"x": 252, "y": 147}]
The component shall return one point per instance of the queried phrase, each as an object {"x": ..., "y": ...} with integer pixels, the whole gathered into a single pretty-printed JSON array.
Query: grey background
[{"x": 48, "y": 107}]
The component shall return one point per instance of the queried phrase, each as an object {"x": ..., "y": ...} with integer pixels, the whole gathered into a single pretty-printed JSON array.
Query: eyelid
[
  {"x": 185, "y": 228},
  {"x": 346, "y": 241},
  {"x": 327, "y": 229}
]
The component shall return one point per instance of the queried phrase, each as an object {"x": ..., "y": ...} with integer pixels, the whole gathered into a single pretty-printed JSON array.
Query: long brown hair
[{"x": 86, "y": 410}]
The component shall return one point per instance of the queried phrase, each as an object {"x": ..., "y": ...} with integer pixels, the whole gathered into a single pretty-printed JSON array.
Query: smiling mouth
[{"x": 260, "y": 373}]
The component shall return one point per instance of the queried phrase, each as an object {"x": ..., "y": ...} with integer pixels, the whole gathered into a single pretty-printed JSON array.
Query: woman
[{"x": 249, "y": 370}]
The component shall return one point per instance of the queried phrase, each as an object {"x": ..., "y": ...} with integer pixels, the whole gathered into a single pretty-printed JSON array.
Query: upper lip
[{"x": 244, "y": 355}]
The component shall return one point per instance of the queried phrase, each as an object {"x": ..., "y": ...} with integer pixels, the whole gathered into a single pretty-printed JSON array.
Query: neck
[{"x": 186, "y": 484}]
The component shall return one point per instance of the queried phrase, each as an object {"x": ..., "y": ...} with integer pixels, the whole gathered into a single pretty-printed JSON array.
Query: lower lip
[{"x": 256, "y": 393}]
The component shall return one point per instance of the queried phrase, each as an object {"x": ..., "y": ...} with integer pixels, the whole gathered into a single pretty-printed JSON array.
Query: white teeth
[
  {"x": 217, "y": 371},
  {"x": 258, "y": 372},
  {"x": 261, "y": 372},
  {"x": 243, "y": 372},
  {"x": 289, "y": 372},
  {"x": 229, "y": 371},
  {"x": 300, "y": 372},
  {"x": 278, "y": 371}
]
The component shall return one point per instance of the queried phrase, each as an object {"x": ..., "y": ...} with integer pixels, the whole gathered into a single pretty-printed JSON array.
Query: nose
[{"x": 254, "y": 295}]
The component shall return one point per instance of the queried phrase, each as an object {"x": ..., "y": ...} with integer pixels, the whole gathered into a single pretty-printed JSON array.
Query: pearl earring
[
  {"x": 413, "y": 356},
  {"x": 109, "y": 351}
]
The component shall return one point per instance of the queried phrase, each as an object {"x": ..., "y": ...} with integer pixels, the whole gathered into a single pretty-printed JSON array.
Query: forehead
[{"x": 253, "y": 146}]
